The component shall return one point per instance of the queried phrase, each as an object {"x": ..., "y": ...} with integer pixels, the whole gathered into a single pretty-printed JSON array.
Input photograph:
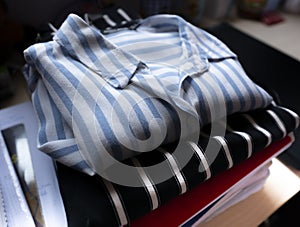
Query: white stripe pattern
[
  {"x": 278, "y": 122},
  {"x": 148, "y": 185},
  {"x": 109, "y": 21},
  {"x": 176, "y": 170},
  {"x": 259, "y": 128},
  {"x": 247, "y": 138},
  {"x": 223, "y": 143},
  {"x": 297, "y": 120},
  {"x": 202, "y": 159},
  {"x": 117, "y": 204}
]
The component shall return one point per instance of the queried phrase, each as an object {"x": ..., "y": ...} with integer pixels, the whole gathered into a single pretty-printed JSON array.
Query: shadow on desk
[{"x": 286, "y": 215}]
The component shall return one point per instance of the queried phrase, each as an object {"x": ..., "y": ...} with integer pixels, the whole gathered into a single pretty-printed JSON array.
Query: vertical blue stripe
[
  {"x": 86, "y": 136},
  {"x": 58, "y": 122},
  {"x": 201, "y": 101},
  {"x": 238, "y": 94},
  {"x": 262, "y": 97},
  {"x": 40, "y": 113},
  {"x": 240, "y": 77},
  {"x": 108, "y": 134},
  {"x": 49, "y": 77}
]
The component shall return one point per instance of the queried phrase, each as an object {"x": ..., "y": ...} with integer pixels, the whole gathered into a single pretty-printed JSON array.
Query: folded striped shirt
[
  {"x": 102, "y": 98},
  {"x": 100, "y": 202}
]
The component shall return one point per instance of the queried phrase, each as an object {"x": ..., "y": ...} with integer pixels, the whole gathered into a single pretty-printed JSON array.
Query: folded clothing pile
[{"x": 143, "y": 114}]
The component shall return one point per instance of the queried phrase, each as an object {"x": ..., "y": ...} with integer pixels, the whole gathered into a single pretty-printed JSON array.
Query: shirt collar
[
  {"x": 209, "y": 46},
  {"x": 86, "y": 44}
]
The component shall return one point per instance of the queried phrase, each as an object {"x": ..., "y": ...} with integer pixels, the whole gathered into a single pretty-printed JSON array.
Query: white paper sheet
[{"x": 50, "y": 199}]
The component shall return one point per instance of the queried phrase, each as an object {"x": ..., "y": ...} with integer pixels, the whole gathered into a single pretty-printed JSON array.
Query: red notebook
[{"x": 186, "y": 209}]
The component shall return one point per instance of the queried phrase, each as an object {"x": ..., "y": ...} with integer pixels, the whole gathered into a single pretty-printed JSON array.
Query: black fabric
[
  {"x": 275, "y": 71},
  {"x": 88, "y": 202},
  {"x": 120, "y": 22}
]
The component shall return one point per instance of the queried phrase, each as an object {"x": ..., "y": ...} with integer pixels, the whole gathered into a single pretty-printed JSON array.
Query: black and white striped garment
[{"x": 93, "y": 201}]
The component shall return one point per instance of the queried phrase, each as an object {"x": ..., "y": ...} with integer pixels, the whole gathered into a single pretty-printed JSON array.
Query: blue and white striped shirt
[{"x": 131, "y": 91}]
